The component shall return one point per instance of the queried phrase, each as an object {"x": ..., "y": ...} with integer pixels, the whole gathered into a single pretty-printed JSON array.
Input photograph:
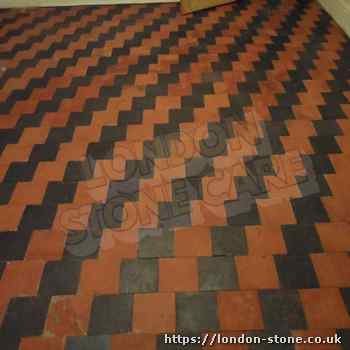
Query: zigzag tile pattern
[{"x": 168, "y": 174}]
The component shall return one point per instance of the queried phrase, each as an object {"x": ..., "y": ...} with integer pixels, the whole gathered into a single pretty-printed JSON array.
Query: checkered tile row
[
  {"x": 151, "y": 275},
  {"x": 156, "y": 313},
  {"x": 195, "y": 311},
  {"x": 43, "y": 184},
  {"x": 294, "y": 240}
]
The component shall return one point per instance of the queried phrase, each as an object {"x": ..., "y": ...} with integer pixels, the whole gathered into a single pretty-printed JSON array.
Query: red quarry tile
[
  {"x": 46, "y": 245},
  {"x": 155, "y": 116},
  {"x": 256, "y": 272},
  {"x": 340, "y": 162},
  {"x": 92, "y": 191},
  {"x": 155, "y": 191},
  {"x": 303, "y": 128},
  {"x": 180, "y": 89},
  {"x": 154, "y": 313},
  {"x": 240, "y": 146},
  {"x": 42, "y": 343},
  {"x": 146, "y": 79},
  {"x": 265, "y": 240},
  {"x": 86, "y": 133},
  {"x": 338, "y": 183},
  {"x": 218, "y": 188},
  {"x": 28, "y": 193},
  {"x": 194, "y": 241},
  {"x": 204, "y": 213},
  {"x": 335, "y": 237},
  {"x": 216, "y": 101},
  {"x": 68, "y": 315},
  {"x": 276, "y": 212},
  {"x": 178, "y": 275},
  {"x": 15, "y": 152},
  {"x": 55, "y": 119},
  {"x": 133, "y": 342},
  {"x": 10, "y": 217},
  {"x": 32, "y": 136},
  {"x": 124, "y": 150},
  {"x": 140, "y": 132},
  {"x": 71, "y": 217},
  {"x": 100, "y": 276},
  {"x": 67, "y": 153},
  {"x": 337, "y": 208},
  {"x": 27, "y": 284},
  {"x": 297, "y": 143},
  {"x": 324, "y": 308},
  {"x": 284, "y": 184},
  {"x": 170, "y": 168},
  {"x": 239, "y": 311},
  {"x": 346, "y": 108},
  {"x": 168, "y": 102},
  {"x": 53, "y": 171},
  {"x": 333, "y": 270},
  {"x": 201, "y": 114}
]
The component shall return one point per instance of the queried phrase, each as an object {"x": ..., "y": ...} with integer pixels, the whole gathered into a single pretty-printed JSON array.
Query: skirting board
[
  {"x": 48, "y": 3},
  {"x": 195, "y": 5},
  {"x": 340, "y": 11}
]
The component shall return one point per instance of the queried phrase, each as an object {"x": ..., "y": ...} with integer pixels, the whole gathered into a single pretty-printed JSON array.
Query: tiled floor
[{"x": 173, "y": 174}]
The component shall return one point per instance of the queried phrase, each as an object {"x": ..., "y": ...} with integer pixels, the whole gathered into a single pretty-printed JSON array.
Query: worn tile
[
  {"x": 324, "y": 308},
  {"x": 111, "y": 314},
  {"x": 309, "y": 210},
  {"x": 301, "y": 239},
  {"x": 31, "y": 273},
  {"x": 296, "y": 271},
  {"x": 334, "y": 236},
  {"x": 194, "y": 241},
  {"x": 217, "y": 273},
  {"x": 229, "y": 240},
  {"x": 156, "y": 243},
  {"x": 265, "y": 240},
  {"x": 154, "y": 313},
  {"x": 93, "y": 276},
  {"x": 19, "y": 320},
  {"x": 60, "y": 278},
  {"x": 239, "y": 311},
  {"x": 332, "y": 269},
  {"x": 196, "y": 312},
  {"x": 256, "y": 272},
  {"x": 139, "y": 276},
  {"x": 282, "y": 309},
  {"x": 178, "y": 275},
  {"x": 42, "y": 343},
  {"x": 68, "y": 315}
]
